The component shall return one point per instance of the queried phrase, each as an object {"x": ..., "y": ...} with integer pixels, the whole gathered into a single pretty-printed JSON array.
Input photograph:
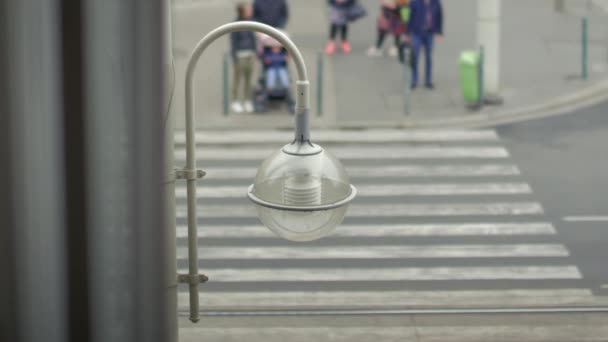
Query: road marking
[
  {"x": 585, "y": 218},
  {"x": 339, "y": 136},
  {"x": 379, "y": 252},
  {"x": 386, "y": 190},
  {"x": 371, "y": 331},
  {"x": 389, "y": 210},
  {"x": 391, "y": 273},
  {"x": 511, "y": 298},
  {"x": 361, "y": 152},
  {"x": 479, "y": 170},
  {"x": 465, "y": 229}
]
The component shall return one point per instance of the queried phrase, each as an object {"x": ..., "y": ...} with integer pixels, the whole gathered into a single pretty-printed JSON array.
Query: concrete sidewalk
[
  {"x": 540, "y": 60},
  {"x": 445, "y": 328},
  {"x": 540, "y": 57}
]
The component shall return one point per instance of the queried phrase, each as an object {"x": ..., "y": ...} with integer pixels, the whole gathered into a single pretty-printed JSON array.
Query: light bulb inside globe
[
  {"x": 301, "y": 189},
  {"x": 301, "y": 197}
]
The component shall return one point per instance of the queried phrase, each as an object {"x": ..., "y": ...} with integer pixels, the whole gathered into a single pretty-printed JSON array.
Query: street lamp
[{"x": 301, "y": 192}]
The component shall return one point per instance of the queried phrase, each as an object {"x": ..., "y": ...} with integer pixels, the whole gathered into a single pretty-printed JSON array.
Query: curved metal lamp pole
[{"x": 191, "y": 174}]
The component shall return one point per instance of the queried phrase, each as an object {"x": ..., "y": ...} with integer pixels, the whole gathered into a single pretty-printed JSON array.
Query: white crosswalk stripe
[
  {"x": 375, "y": 299},
  {"x": 464, "y": 195},
  {"x": 447, "y": 170},
  {"x": 390, "y": 210},
  {"x": 342, "y": 137},
  {"x": 394, "y": 273},
  {"x": 390, "y": 230},
  {"x": 390, "y": 190},
  {"x": 380, "y": 252},
  {"x": 349, "y": 152}
]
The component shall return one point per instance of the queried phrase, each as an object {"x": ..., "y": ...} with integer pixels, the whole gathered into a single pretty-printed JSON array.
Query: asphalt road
[{"x": 565, "y": 160}]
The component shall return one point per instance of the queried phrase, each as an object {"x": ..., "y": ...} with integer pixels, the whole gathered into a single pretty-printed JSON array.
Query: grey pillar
[
  {"x": 32, "y": 212},
  {"x": 124, "y": 112},
  {"x": 82, "y": 237}
]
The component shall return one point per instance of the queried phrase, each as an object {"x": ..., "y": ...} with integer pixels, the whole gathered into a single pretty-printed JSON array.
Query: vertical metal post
[
  {"x": 169, "y": 174},
  {"x": 480, "y": 75},
  {"x": 488, "y": 36},
  {"x": 320, "y": 81},
  {"x": 407, "y": 80},
  {"x": 225, "y": 82},
  {"x": 584, "y": 47}
]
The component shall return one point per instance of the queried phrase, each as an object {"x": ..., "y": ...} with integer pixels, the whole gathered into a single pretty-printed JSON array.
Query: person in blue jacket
[
  {"x": 425, "y": 25},
  {"x": 271, "y": 12}
]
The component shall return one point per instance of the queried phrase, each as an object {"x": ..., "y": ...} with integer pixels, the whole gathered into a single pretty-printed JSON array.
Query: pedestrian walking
[
  {"x": 271, "y": 12},
  {"x": 341, "y": 13},
  {"x": 425, "y": 25},
  {"x": 243, "y": 51},
  {"x": 390, "y": 21}
]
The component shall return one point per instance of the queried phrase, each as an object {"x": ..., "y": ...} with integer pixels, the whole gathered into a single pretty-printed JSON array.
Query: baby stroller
[{"x": 271, "y": 94}]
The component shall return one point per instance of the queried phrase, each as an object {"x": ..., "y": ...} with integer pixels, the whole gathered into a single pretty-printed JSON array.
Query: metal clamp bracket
[
  {"x": 192, "y": 280},
  {"x": 189, "y": 174}
]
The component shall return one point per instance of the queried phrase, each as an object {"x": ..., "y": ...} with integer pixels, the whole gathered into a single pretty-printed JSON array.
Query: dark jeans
[
  {"x": 333, "y": 31},
  {"x": 425, "y": 41}
]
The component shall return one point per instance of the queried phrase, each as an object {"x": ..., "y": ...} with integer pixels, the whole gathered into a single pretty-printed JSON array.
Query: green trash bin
[{"x": 469, "y": 76}]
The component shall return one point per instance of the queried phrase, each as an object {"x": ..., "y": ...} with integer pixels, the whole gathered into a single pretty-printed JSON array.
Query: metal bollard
[
  {"x": 406, "y": 54},
  {"x": 481, "y": 76},
  {"x": 225, "y": 81},
  {"x": 320, "y": 75},
  {"x": 584, "y": 47}
]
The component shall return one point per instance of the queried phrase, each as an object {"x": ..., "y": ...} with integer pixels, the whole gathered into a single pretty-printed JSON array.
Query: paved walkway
[
  {"x": 541, "y": 61},
  {"x": 414, "y": 328}
]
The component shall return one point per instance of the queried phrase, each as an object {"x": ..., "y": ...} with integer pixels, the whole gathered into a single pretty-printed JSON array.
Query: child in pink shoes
[{"x": 341, "y": 12}]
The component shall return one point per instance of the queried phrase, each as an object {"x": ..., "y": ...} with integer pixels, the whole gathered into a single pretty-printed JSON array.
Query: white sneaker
[
  {"x": 374, "y": 52},
  {"x": 236, "y": 107},
  {"x": 392, "y": 51},
  {"x": 248, "y": 106}
]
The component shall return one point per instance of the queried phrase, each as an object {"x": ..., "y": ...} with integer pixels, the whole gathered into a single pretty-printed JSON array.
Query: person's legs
[
  {"x": 333, "y": 31},
  {"x": 376, "y": 49},
  {"x": 397, "y": 40},
  {"x": 271, "y": 78},
  {"x": 247, "y": 73},
  {"x": 428, "y": 59},
  {"x": 283, "y": 76},
  {"x": 330, "y": 47},
  {"x": 346, "y": 48},
  {"x": 236, "y": 72},
  {"x": 380, "y": 40},
  {"x": 393, "y": 51},
  {"x": 415, "y": 53},
  {"x": 236, "y": 106},
  {"x": 344, "y": 32}
]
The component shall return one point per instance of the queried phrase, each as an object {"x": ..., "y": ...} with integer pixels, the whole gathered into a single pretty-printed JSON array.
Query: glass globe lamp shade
[{"x": 301, "y": 192}]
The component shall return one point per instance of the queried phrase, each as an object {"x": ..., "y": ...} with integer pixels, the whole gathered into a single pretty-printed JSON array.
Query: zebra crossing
[{"x": 443, "y": 218}]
